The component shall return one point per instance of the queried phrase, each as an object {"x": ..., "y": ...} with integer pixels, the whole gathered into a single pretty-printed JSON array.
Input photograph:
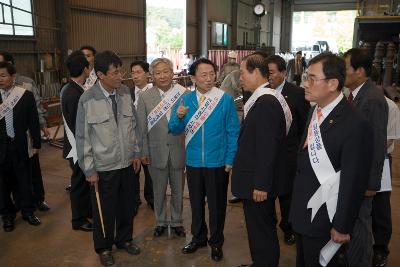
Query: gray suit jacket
[
  {"x": 372, "y": 104},
  {"x": 158, "y": 144}
]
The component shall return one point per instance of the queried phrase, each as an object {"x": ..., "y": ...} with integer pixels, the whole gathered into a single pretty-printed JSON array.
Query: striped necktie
[{"x": 9, "y": 118}]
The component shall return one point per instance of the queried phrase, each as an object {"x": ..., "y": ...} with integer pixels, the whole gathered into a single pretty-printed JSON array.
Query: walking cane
[{"x": 96, "y": 187}]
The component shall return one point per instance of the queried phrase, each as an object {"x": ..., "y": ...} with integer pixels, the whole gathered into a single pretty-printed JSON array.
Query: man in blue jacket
[{"x": 211, "y": 125}]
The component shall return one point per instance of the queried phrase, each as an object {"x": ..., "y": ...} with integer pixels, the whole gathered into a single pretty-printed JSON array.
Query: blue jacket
[{"x": 215, "y": 143}]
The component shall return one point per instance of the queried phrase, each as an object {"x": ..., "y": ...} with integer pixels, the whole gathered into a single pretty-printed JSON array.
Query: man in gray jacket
[
  {"x": 108, "y": 149},
  {"x": 162, "y": 151}
]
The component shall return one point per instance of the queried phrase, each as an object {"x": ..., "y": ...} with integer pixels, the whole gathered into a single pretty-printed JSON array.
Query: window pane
[
  {"x": 23, "y": 30},
  {"x": 23, "y": 4},
  {"x": 7, "y": 14},
  {"x": 22, "y": 17},
  {"x": 6, "y": 29},
  {"x": 5, "y": 1}
]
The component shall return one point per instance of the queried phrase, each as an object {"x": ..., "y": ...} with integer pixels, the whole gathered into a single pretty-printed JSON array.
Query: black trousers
[
  {"x": 308, "y": 249},
  {"x": 16, "y": 176},
  {"x": 117, "y": 197},
  {"x": 213, "y": 184},
  {"x": 148, "y": 187},
  {"x": 284, "y": 205},
  {"x": 37, "y": 180},
  {"x": 81, "y": 207},
  {"x": 261, "y": 230},
  {"x": 381, "y": 221}
]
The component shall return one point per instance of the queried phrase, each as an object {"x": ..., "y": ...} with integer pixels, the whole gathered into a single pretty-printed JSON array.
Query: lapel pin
[{"x": 330, "y": 121}]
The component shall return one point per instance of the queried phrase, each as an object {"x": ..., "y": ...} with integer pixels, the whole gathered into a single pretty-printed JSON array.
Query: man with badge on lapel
[
  {"x": 163, "y": 152},
  {"x": 333, "y": 165},
  {"x": 211, "y": 125},
  {"x": 18, "y": 114},
  {"x": 78, "y": 68},
  {"x": 267, "y": 120},
  {"x": 299, "y": 108}
]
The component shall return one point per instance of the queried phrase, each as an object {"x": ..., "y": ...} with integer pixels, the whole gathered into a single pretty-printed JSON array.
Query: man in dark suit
[
  {"x": 140, "y": 74},
  {"x": 345, "y": 152},
  {"x": 78, "y": 68},
  {"x": 372, "y": 104},
  {"x": 254, "y": 175},
  {"x": 287, "y": 165},
  {"x": 19, "y": 116}
]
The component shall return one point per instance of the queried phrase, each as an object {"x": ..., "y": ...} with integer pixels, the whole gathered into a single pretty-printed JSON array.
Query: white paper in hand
[{"x": 327, "y": 252}]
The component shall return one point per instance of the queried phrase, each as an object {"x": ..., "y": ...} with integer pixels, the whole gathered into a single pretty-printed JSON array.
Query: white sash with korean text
[
  {"x": 71, "y": 139},
  {"x": 12, "y": 100},
  {"x": 268, "y": 91},
  {"x": 90, "y": 81},
  {"x": 202, "y": 113},
  {"x": 165, "y": 105},
  {"x": 329, "y": 181}
]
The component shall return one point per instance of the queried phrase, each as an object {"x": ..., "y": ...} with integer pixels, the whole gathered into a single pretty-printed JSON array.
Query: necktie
[
  {"x": 350, "y": 98},
  {"x": 202, "y": 98},
  {"x": 9, "y": 119},
  {"x": 114, "y": 107},
  {"x": 319, "y": 116}
]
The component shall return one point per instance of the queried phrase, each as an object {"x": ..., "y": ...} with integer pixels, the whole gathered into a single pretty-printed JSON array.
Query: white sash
[
  {"x": 386, "y": 181},
  {"x": 71, "y": 139},
  {"x": 202, "y": 113},
  {"x": 323, "y": 169},
  {"x": 11, "y": 100},
  {"x": 90, "y": 81},
  {"x": 268, "y": 91},
  {"x": 165, "y": 105}
]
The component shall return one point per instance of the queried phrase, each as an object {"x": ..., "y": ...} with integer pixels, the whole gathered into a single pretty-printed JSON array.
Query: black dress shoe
[
  {"x": 8, "y": 224},
  {"x": 234, "y": 200},
  {"x": 193, "y": 246},
  {"x": 159, "y": 231},
  {"x": 86, "y": 227},
  {"x": 130, "y": 247},
  {"x": 68, "y": 188},
  {"x": 216, "y": 253},
  {"x": 106, "y": 258},
  {"x": 42, "y": 206},
  {"x": 289, "y": 239},
  {"x": 380, "y": 259},
  {"x": 32, "y": 220},
  {"x": 179, "y": 231}
]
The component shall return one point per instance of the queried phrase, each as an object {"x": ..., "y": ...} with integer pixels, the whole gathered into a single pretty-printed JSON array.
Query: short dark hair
[
  {"x": 76, "y": 63},
  {"x": 299, "y": 53},
  {"x": 256, "y": 61},
  {"x": 7, "y": 57},
  {"x": 103, "y": 60},
  {"x": 261, "y": 53},
  {"x": 144, "y": 65},
  {"x": 9, "y": 67},
  {"x": 193, "y": 68},
  {"x": 333, "y": 67},
  {"x": 89, "y": 47},
  {"x": 278, "y": 61},
  {"x": 360, "y": 58}
]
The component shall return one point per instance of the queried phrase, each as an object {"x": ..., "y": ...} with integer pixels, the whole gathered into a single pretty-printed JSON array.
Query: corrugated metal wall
[{"x": 110, "y": 25}]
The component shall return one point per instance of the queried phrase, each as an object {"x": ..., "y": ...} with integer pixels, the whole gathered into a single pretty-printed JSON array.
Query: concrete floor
[{"x": 54, "y": 243}]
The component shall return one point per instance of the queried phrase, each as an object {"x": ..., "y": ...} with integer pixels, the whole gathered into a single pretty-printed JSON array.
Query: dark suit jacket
[
  {"x": 25, "y": 117},
  {"x": 346, "y": 136},
  {"x": 70, "y": 95},
  {"x": 260, "y": 144},
  {"x": 371, "y": 102},
  {"x": 287, "y": 164}
]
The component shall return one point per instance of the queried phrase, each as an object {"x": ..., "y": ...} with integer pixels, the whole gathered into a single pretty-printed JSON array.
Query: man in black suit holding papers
[{"x": 333, "y": 165}]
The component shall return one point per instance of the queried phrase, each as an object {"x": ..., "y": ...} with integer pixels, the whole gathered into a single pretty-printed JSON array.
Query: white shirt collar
[
  {"x": 280, "y": 87},
  {"x": 162, "y": 93},
  {"x": 328, "y": 108},
  {"x": 105, "y": 92},
  {"x": 355, "y": 91},
  {"x": 147, "y": 86},
  {"x": 262, "y": 86}
]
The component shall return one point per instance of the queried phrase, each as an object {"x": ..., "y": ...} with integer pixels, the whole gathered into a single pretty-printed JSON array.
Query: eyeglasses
[{"x": 306, "y": 78}]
